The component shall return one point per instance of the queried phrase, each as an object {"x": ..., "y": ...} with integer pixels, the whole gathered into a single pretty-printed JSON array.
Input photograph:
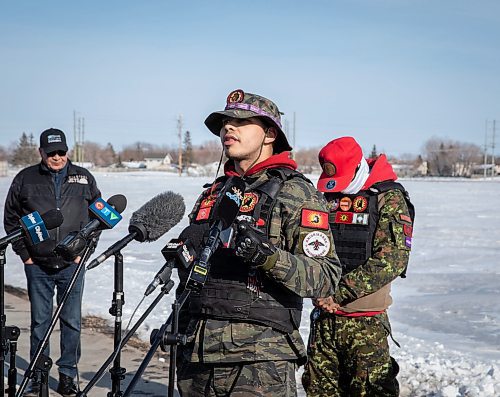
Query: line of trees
[{"x": 443, "y": 157}]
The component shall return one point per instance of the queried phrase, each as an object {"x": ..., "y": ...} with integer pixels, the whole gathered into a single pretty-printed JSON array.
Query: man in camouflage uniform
[
  {"x": 243, "y": 326},
  {"x": 371, "y": 220}
]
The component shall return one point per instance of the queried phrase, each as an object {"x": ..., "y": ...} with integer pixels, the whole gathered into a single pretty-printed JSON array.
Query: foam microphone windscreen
[
  {"x": 229, "y": 201},
  {"x": 118, "y": 202},
  {"x": 194, "y": 233},
  {"x": 52, "y": 219},
  {"x": 157, "y": 216}
]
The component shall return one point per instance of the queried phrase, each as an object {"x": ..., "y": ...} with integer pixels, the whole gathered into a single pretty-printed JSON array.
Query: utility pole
[
  {"x": 485, "y": 149},
  {"x": 82, "y": 142},
  {"x": 493, "y": 150},
  {"x": 179, "y": 128},
  {"x": 293, "y": 137},
  {"x": 488, "y": 145},
  {"x": 75, "y": 148}
]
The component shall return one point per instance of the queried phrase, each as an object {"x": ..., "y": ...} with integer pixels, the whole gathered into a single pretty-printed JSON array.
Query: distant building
[{"x": 158, "y": 162}]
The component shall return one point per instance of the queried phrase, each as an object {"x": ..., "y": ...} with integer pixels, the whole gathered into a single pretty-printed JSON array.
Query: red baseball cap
[{"x": 339, "y": 160}]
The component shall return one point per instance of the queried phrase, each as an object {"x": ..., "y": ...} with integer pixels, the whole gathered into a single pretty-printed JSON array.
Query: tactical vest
[
  {"x": 353, "y": 219},
  {"x": 227, "y": 294}
]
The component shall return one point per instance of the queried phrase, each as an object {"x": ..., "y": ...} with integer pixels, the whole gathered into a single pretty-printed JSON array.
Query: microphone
[
  {"x": 226, "y": 209},
  {"x": 34, "y": 226},
  {"x": 148, "y": 223},
  {"x": 179, "y": 252},
  {"x": 105, "y": 216}
]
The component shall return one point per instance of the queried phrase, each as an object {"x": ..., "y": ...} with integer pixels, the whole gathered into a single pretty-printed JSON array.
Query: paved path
[{"x": 97, "y": 345}]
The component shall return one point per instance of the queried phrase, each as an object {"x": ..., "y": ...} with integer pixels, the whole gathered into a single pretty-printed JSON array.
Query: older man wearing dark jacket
[{"x": 53, "y": 183}]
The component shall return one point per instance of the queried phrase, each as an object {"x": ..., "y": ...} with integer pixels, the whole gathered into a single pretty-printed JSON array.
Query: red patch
[
  {"x": 208, "y": 202},
  {"x": 343, "y": 217},
  {"x": 203, "y": 213},
  {"x": 408, "y": 230},
  {"x": 405, "y": 218},
  {"x": 314, "y": 219},
  {"x": 260, "y": 222},
  {"x": 249, "y": 202},
  {"x": 360, "y": 203}
]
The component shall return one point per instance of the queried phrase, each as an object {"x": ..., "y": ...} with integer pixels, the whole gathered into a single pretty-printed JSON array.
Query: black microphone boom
[
  {"x": 75, "y": 242},
  {"x": 51, "y": 219},
  {"x": 179, "y": 253},
  {"x": 148, "y": 223}
]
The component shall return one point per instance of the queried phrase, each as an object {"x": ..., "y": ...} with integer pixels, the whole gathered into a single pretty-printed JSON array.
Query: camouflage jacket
[
  {"x": 390, "y": 254},
  {"x": 225, "y": 341}
]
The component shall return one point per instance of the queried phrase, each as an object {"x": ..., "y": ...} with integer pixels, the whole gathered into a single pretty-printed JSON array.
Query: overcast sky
[{"x": 391, "y": 72}]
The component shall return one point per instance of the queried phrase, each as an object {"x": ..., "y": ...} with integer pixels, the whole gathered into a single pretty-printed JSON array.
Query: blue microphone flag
[
  {"x": 34, "y": 225},
  {"x": 105, "y": 213}
]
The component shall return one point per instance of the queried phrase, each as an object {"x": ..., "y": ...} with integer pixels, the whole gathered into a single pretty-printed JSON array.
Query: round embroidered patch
[
  {"x": 330, "y": 184},
  {"x": 235, "y": 96},
  {"x": 249, "y": 202},
  {"x": 345, "y": 203},
  {"x": 360, "y": 203},
  {"x": 329, "y": 169},
  {"x": 333, "y": 205},
  {"x": 316, "y": 244}
]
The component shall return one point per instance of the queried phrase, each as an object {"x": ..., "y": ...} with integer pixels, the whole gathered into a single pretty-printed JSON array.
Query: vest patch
[
  {"x": 345, "y": 203},
  {"x": 360, "y": 204},
  {"x": 316, "y": 244},
  {"x": 249, "y": 202},
  {"x": 333, "y": 205},
  {"x": 314, "y": 219},
  {"x": 203, "y": 214},
  {"x": 351, "y": 218},
  {"x": 81, "y": 179},
  {"x": 208, "y": 202}
]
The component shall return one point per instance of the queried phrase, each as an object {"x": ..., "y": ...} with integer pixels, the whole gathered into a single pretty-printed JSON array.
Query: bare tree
[
  {"x": 450, "y": 158},
  {"x": 307, "y": 159},
  {"x": 208, "y": 152}
]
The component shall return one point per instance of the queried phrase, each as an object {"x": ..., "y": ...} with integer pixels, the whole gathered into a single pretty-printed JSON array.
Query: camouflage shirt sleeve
[
  {"x": 389, "y": 256},
  {"x": 307, "y": 276}
]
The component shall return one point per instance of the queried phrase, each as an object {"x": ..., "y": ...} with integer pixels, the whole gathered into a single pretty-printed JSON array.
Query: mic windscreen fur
[{"x": 157, "y": 216}]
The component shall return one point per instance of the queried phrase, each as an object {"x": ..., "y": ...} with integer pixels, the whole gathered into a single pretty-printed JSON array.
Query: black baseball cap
[{"x": 52, "y": 140}]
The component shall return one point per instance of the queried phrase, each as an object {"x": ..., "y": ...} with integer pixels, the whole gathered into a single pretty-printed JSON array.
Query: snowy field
[{"x": 445, "y": 314}]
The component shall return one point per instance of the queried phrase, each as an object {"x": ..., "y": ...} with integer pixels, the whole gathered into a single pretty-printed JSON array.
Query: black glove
[{"x": 253, "y": 247}]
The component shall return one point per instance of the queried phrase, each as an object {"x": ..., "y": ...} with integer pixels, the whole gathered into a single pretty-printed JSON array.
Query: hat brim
[
  {"x": 327, "y": 184},
  {"x": 214, "y": 124},
  {"x": 52, "y": 147}
]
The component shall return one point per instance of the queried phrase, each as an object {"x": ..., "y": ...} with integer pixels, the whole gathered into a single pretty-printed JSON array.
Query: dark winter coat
[{"x": 34, "y": 189}]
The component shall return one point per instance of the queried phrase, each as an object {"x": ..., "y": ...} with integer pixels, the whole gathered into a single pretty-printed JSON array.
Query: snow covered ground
[{"x": 445, "y": 314}]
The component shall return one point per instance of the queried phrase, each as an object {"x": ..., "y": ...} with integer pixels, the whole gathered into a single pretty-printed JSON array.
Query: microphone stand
[
  {"x": 160, "y": 337},
  {"x": 196, "y": 281},
  {"x": 117, "y": 372},
  {"x": 43, "y": 343},
  {"x": 164, "y": 291}
]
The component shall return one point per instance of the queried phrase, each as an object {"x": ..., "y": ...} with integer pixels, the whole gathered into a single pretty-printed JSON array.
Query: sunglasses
[{"x": 60, "y": 153}]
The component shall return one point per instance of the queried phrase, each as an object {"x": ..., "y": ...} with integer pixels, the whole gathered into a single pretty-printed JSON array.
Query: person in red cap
[
  {"x": 371, "y": 218},
  {"x": 243, "y": 325}
]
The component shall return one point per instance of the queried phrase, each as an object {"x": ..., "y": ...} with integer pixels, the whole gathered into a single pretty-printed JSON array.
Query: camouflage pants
[
  {"x": 258, "y": 379},
  {"x": 349, "y": 357}
]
